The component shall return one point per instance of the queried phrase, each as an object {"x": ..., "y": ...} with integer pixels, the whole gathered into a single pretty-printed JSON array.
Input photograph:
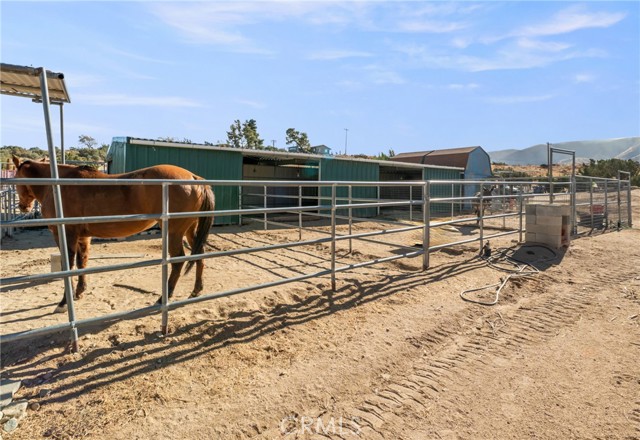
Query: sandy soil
[{"x": 393, "y": 353}]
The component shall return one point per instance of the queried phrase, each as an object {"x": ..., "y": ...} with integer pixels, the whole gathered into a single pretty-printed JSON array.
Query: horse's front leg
[
  {"x": 82, "y": 257},
  {"x": 72, "y": 246}
]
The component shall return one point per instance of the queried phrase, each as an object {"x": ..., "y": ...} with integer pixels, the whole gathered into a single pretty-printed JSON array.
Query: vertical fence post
[
  {"x": 57, "y": 199},
  {"x": 239, "y": 204},
  {"x": 606, "y": 204},
  {"x": 410, "y": 203},
  {"x": 452, "y": 202},
  {"x": 619, "y": 203},
  {"x": 264, "y": 203},
  {"x": 550, "y": 171},
  {"x": 350, "y": 220},
  {"x": 300, "y": 213},
  {"x": 13, "y": 204},
  {"x": 629, "y": 201},
  {"x": 333, "y": 237},
  {"x": 572, "y": 196},
  {"x": 591, "y": 201},
  {"x": 426, "y": 220},
  {"x": 481, "y": 219},
  {"x": 520, "y": 211},
  {"x": 503, "y": 191},
  {"x": 165, "y": 257}
]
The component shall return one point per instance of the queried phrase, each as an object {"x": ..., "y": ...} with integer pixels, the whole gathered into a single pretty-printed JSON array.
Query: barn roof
[
  {"x": 452, "y": 157},
  {"x": 283, "y": 156}
]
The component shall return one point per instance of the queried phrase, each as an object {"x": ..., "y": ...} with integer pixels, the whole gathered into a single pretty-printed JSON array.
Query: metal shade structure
[
  {"x": 46, "y": 87},
  {"x": 24, "y": 81}
]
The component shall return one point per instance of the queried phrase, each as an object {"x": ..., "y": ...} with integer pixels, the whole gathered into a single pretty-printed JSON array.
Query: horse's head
[
  {"x": 25, "y": 192},
  {"x": 486, "y": 191}
]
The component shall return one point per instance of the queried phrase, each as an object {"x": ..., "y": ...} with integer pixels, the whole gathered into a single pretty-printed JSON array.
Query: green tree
[
  {"x": 251, "y": 136},
  {"x": 299, "y": 139},
  {"x": 245, "y": 135},
  {"x": 234, "y": 135},
  {"x": 87, "y": 141},
  {"x": 383, "y": 156},
  {"x": 609, "y": 168}
]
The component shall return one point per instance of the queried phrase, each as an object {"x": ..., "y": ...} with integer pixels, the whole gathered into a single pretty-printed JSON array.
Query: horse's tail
[{"x": 204, "y": 224}]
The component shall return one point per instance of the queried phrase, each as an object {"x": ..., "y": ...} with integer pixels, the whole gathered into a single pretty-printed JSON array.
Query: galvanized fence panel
[{"x": 443, "y": 201}]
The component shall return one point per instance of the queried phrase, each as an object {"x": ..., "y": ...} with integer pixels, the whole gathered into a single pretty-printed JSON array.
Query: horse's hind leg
[
  {"x": 175, "y": 250},
  {"x": 198, "y": 286},
  {"x": 82, "y": 257}
]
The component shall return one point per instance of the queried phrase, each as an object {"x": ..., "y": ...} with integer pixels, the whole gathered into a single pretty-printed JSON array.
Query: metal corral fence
[
  {"x": 602, "y": 203},
  {"x": 334, "y": 203},
  {"x": 9, "y": 210}
]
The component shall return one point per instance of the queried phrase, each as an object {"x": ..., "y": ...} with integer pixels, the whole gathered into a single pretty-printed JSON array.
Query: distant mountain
[{"x": 621, "y": 148}]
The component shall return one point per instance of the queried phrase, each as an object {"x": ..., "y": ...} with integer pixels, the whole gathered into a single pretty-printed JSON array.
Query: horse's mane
[
  {"x": 79, "y": 171},
  {"x": 67, "y": 170}
]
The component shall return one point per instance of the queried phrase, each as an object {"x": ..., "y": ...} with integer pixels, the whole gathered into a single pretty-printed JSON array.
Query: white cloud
[
  {"x": 380, "y": 75},
  {"x": 521, "y": 54},
  {"x": 116, "y": 99},
  {"x": 468, "y": 86},
  {"x": 571, "y": 19},
  {"x": 253, "y": 104},
  {"x": 223, "y": 23},
  {"x": 328, "y": 55},
  {"x": 542, "y": 46},
  {"x": 519, "y": 99},
  {"x": 429, "y": 26},
  {"x": 584, "y": 78},
  {"x": 134, "y": 56}
]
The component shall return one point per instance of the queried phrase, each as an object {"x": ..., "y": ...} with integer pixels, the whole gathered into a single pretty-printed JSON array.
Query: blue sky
[{"x": 398, "y": 75}]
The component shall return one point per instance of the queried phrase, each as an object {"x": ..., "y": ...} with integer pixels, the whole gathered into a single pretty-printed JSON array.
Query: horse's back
[
  {"x": 126, "y": 199},
  {"x": 158, "y": 172}
]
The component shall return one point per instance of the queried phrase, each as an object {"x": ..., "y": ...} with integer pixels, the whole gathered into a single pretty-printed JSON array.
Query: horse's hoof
[
  {"x": 60, "y": 309},
  {"x": 194, "y": 294}
]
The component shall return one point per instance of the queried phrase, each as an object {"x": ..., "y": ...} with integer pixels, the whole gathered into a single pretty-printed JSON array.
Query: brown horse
[{"x": 90, "y": 200}]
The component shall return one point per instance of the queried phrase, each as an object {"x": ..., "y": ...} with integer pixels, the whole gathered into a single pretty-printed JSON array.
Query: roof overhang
[
  {"x": 24, "y": 82},
  {"x": 283, "y": 157}
]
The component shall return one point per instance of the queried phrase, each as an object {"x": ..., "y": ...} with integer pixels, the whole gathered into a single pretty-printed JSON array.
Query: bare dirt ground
[{"x": 393, "y": 353}]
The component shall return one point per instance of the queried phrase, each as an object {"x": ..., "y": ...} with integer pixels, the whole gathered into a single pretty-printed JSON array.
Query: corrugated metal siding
[
  {"x": 345, "y": 170},
  {"x": 116, "y": 155},
  {"x": 444, "y": 190},
  {"x": 479, "y": 167},
  {"x": 211, "y": 165}
]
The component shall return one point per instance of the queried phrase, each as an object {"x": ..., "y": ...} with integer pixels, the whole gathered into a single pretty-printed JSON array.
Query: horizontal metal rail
[{"x": 322, "y": 210}]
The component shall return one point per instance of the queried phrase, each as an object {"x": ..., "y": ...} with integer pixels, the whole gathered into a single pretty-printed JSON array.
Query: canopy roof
[{"x": 25, "y": 82}]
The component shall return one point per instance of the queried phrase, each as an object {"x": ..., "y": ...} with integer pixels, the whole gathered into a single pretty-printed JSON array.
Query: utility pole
[
  {"x": 273, "y": 143},
  {"x": 346, "y": 134}
]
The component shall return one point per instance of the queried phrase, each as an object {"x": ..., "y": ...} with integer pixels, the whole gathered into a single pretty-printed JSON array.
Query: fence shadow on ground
[{"x": 98, "y": 368}]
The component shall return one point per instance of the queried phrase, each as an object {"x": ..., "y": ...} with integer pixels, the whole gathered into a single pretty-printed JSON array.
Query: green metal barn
[
  {"x": 221, "y": 163},
  {"x": 127, "y": 154}
]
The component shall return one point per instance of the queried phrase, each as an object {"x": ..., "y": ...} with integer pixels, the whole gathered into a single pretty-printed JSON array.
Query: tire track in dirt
[
  {"x": 622, "y": 271},
  {"x": 458, "y": 351},
  {"x": 634, "y": 416}
]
